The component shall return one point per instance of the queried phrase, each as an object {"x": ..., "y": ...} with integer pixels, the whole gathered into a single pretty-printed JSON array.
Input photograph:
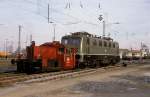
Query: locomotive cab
[
  {"x": 57, "y": 57},
  {"x": 73, "y": 42}
]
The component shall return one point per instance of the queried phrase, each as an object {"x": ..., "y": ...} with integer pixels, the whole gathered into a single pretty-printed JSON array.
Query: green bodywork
[{"x": 90, "y": 45}]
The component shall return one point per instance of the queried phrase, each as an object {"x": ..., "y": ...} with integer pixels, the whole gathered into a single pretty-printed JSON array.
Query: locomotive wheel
[
  {"x": 82, "y": 65},
  {"x": 12, "y": 61},
  {"x": 103, "y": 64},
  {"x": 113, "y": 62},
  {"x": 28, "y": 69},
  {"x": 92, "y": 65},
  {"x": 19, "y": 66}
]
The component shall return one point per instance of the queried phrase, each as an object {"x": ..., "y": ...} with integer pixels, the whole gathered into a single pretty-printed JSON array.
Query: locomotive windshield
[{"x": 71, "y": 41}]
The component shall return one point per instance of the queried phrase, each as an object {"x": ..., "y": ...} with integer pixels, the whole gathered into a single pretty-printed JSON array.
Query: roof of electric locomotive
[{"x": 86, "y": 34}]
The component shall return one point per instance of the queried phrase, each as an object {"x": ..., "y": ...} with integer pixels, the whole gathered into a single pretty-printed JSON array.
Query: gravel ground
[
  {"x": 126, "y": 85},
  {"x": 124, "y": 82},
  {"x": 116, "y": 88}
]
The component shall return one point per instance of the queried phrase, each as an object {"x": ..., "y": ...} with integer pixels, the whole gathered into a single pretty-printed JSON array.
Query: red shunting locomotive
[{"x": 50, "y": 56}]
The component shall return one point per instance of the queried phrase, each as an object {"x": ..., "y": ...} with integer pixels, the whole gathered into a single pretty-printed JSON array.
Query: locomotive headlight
[
  {"x": 39, "y": 56},
  {"x": 68, "y": 59}
]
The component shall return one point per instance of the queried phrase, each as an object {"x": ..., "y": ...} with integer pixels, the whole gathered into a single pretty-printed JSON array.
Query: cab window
[
  {"x": 105, "y": 44},
  {"x": 88, "y": 41},
  {"x": 109, "y": 44},
  {"x": 114, "y": 45},
  {"x": 71, "y": 41},
  {"x": 100, "y": 43},
  {"x": 94, "y": 42},
  {"x": 61, "y": 50}
]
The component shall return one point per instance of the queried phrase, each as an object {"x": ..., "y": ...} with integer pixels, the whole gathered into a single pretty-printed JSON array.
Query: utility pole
[
  {"x": 100, "y": 19},
  {"x": 26, "y": 41},
  {"x": 38, "y": 8},
  {"x": 50, "y": 21},
  {"x": 11, "y": 46},
  {"x": 54, "y": 25},
  {"x": 141, "y": 52},
  {"x": 131, "y": 53},
  {"x": 19, "y": 41},
  {"x": 104, "y": 28},
  {"x": 48, "y": 14},
  {"x": 30, "y": 38},
  {"x": 6, "y": 42}
]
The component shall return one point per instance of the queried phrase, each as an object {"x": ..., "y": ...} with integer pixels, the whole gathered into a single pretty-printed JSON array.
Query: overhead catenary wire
[
  {"x": 78, "y": 20},
  {"x": 62, "y": 13},
  {"x": 68, "y": 23},
  {"x": 52, "y": 9},
  {"x": 55, "y": 11}
]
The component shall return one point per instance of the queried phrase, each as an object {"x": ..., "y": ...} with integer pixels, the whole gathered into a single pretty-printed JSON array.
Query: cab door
[{"x": 69, "y": 58}]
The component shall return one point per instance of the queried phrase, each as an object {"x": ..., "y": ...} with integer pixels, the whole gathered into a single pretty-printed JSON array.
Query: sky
[{"x": 133, "y": 17}]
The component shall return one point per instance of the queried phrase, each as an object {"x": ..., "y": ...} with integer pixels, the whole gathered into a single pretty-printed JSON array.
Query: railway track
[
  {"x": 23, "y": 78},
  {"x": 8, "y": 78}
]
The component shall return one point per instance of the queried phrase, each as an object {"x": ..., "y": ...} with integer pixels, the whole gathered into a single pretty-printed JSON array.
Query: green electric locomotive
[{"x": 92, "y": 50}]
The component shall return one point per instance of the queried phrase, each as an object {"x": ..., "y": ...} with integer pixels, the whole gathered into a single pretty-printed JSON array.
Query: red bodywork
[{"x": 53, "y": 55}]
